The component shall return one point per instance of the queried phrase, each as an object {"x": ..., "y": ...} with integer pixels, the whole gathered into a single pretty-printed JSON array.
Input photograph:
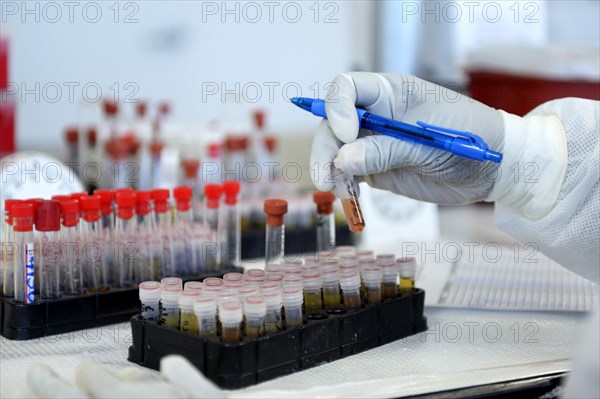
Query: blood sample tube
[
  {"x": 292, "y": 305},
  {"x": 94, "y": 262},
  {"x": 149, "y": 266},
  {"x": 9, "y": 250},
  {"x": 389, "y": 283},
  {"x": 169, "y": 305},
  {"x": 205, "y": 308},
  {"x": 346, "y": 189},
  {"x": 325, "y": 221},
  {"x": 162, "y": 219},
  {"x": 350, "y": 284},
  {"x": 273, "y": 322},
  {"x": 312, "y": 285},
  {"x": 212, "y": 194},
  {"x": 187, "y": 317},
  {"x": 275, "y": 231},
  {"x": 230, "y": 240},
  {"x": 70, "y": 237},
  {"x": 231, "y": 316},
  {"x": 193, "y": 286},
  {"x": 407, "y": 268},
  {"x": 24, "y": 266},
  {"x": 372, "y": 278},
  {"x": 186, "y": 253},
  {"x": 331, "y": 287},
  {"x": 47, "y": 224},
  {"x": 255, "y": 309},
  {"x": 150, "y": 298},
  {"x": 125, "y": 238}
]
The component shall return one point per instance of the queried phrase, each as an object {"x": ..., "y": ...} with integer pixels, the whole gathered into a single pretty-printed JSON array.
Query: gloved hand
[{"x": 429, "y": 174}]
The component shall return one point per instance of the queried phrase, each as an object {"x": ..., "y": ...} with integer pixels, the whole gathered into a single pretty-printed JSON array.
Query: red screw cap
[
  {"x": 47, "y": 216},
  {"x": 69, "y": 210},
  {"x": 275, "y": 209},
  {"x": 22, "y": 217},
  {"x": 160, "y": 196},
  {"x": 231, "y": 189},
  {"x": 213, "y": 193},
  {"x": 142, "y": 202},
  {"x": 183, "y": 196}
]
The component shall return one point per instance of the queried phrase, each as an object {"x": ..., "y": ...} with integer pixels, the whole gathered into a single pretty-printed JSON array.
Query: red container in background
[
  {"x": 519, "y": 94},
  {"x": 7, "y": 104}
]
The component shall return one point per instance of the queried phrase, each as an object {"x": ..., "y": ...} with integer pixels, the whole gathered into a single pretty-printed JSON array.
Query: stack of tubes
[
  {"x": 261, "y": 302},
  {"x": 79, "y": 243}
]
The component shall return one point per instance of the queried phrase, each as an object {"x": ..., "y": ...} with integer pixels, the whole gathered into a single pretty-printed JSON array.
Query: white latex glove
[{"x": 429, "y": 174}]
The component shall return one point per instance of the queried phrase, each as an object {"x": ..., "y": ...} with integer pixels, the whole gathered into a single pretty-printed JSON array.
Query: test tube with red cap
[
  {"x": 106, "y": 207},
  {"x": 70, "y": 237},
  {"x": 346, "y": 189},
  {"x": 94, "y": 261},
  {"x": 190, "y": 167},
  {"x": 9, "y": 250},
  {"x": 125, "y": 239},
  {"x": 162, "y": 221},
  {"x": 47, "y": 224},
  {"x": 275, "y": 231},
  {"x": 325, "y": 221},
  {"x": 149, "y": 265},
  {"x": 24, "y": 267},
  {"x": 231, "y": 232},
  {"x": 186, "y": 252},
  {"x": 212, "y": 201}
]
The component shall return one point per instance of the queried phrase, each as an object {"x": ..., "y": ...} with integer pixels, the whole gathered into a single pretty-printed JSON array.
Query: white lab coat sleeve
[{"x": 570, "y": 232}]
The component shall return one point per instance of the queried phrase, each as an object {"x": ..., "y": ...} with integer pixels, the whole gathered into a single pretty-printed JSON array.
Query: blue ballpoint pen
[{"x": 462, "y": 144}]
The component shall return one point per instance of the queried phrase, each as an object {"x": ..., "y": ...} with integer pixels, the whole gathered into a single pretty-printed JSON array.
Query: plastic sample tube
[
  {"x": 248, "y": 290},
  {"x": 275, "y": 277},
  {"x": 186, "y": 254},
  {"x": 94, "y": 262},
  {"x": 292, "y": 280},
  {"x": 325, "y": 220},
  {"x": 350, "y": 284},
  {"x": 389, "y": 283},
  {"x": 187, "y": 317},
  {"x": 169, "y": 306},
  {"x": 292, "y": 298},
  {"x": 125, "y": 238},
  {"x": 205, "y": 309},
  {"x": 227, "y": 295},
  {"x": 255, "y": 310},
  {"x": 150, "y": 299},
  {"x": 193, "y": 286},
  {"x": 407, "y": 268},
  {"x": 255, "y": 276},
  {"x": 190, "y": 168},
  {"x": 24, "y": 267},
  {"x": 274, "y": 268},
  {"x": 9, "y": 250},
  {"x": 273, "y": 322},
  {"x": 230, "y": 234},
  {"x": 346, "y": 189},
  {"x": 269, "y": 286},
  {"x": 275, "y": 230},
  {"x": 70, "y": 237},
  {"x": 372, "y": 277},
  {"x": 213, "y": 281},
  {"x": 47, "y": 224},
  {"x": 365, "y": 254},
  {"x": 331, "y": 287},
  {"x": 230, "y": 316},
  {"x": 212, "y": 194},
  {"x": 162, "y": 218},
  {"x": 172, "y": 281},
  {"x": 312, "y": 285},
  {"x": 233, "y": 276},
  {"x": 233, "y": 284},
  {"x": 148, "y": 266}
]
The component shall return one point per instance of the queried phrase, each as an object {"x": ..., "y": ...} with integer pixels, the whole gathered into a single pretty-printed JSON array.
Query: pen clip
[{"x": 473, "y": 138}]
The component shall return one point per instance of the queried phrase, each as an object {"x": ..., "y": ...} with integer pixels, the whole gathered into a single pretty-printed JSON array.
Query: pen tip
[{"x": 304, "y": 103}]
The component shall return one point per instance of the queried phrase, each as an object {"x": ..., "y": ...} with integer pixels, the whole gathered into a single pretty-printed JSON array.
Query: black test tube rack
[
  {"x": 20, "y": 321},
  {"x": 324, "y": 337}
]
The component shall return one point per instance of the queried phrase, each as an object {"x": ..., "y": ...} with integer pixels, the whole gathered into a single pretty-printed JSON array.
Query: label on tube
[{"x": 29, "y": 273}]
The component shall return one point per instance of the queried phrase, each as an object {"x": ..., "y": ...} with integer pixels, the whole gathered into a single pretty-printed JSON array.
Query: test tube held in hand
[
  {"x": 346, "y": 189},
  {"x": 275, "y": 230}
]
